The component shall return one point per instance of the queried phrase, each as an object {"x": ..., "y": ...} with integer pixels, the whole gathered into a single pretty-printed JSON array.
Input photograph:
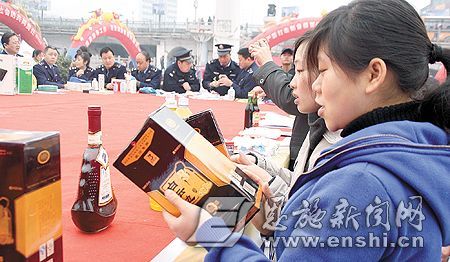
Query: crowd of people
[{"x": 220, "y": 74}]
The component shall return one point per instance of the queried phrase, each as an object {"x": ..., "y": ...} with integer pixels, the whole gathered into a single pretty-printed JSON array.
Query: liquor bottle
[
  {"x": 95, "y": 206},
  {"x": 248, "y": 121},
  {"x": 255, "y": 115}
]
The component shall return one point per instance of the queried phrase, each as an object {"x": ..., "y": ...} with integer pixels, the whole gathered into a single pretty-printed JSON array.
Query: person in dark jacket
[
  {"x": 46, "y": 71},
  {"x": 81, "y": 72},
  {"x": 244, "y": 82},
  {"x": 110, "y": 68},
  {"x": 219, "y": 67},
  {"x": 146, "y": 74},
  {"x": 275, "y": 83},
  {"x": 180, "y": 76}
]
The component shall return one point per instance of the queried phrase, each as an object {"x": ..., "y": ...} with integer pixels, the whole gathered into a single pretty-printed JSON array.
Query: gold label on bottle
[
  {"x": 255, "y": 119},
  {"x": 105, "y": 190}
]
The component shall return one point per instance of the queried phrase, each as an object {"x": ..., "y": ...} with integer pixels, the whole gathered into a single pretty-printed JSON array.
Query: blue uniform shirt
[
  {"x": 214, "y": 69},
  {"x": 174, "y": 79},
  {"x": 244, "y": 82},
  {"x": 117, "y": 71},
  {"x": 151, "y": 77},
  {"x": 47, "y": 75},
  {"x": 87, "y": 76}
]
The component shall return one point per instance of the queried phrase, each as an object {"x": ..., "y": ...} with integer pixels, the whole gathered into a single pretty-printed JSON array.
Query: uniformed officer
[
  {"x": 81, "y": 72},
  {"x": 244, "y": 82},
  {"x": 110, "y": 68},
  {"x": 180, "y": 76},
  {"x": 11, "y": 44},
  {"x": 146, "y": 74},
  {"x": 287, "y": 60},
  {"x": 219, "y": 67},
  {"x": 46, "y": 71}
]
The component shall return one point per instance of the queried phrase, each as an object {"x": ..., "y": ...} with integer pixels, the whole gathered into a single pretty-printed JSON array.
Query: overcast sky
[{"x": 252, "y": 11}]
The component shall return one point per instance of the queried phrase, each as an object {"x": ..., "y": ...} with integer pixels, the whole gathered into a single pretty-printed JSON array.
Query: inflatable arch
[
  {"x": 17, "y": 19},
  {"x": 285, "y": 31},
  {"x": 104, "y": 24}
]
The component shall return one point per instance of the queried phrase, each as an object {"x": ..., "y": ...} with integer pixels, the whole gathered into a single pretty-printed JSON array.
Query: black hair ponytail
[{"x": 435, "y": 107}]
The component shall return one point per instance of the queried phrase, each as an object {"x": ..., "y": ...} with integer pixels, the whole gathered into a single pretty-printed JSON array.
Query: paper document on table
[{"x": 272, "y": 119}]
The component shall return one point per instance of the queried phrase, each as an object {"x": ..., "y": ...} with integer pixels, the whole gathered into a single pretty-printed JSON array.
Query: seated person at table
[
  {"x": 146, "y": 74},
  {"x": 180, "y": 76},
  {"x": 81, "y": 72},
  {"x": 110, "y": 68},
  {"x": 37, "y": 55},
  {"x": 244, "y": 82},
  {"x": 46, "y": 71},
  {"x": 218, "y": 67},
  {"x": 11, "y": 44}
]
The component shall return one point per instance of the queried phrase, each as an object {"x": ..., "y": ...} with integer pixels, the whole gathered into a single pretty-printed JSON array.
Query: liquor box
[
  {"x": 169, "y": 153},
  {"x": 25, "y": 75},
  {"x": 8, "y": 75},
  {"x": 30, "y": 196},
  {"x": 206, "y": 125}
]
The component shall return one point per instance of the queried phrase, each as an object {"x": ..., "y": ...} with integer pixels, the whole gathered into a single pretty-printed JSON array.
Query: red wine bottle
[{"x": 95, "y": 206}]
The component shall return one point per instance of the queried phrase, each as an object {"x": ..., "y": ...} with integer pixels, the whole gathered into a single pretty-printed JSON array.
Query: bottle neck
[{"x": 94, "y": 127}]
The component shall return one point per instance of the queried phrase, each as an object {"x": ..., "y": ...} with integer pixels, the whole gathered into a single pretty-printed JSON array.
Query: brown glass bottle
[
  {"x": 95, "y": 207},
  {"x": 248, "y": 121},
  {"x": 255, "y": 115}
]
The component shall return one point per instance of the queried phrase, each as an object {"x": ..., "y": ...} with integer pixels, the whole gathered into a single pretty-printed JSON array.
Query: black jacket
[{"x": 275, "y": 83}]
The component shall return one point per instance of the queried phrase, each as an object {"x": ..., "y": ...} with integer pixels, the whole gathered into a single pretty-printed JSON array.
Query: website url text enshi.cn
[{"x": 371, "y": 241}]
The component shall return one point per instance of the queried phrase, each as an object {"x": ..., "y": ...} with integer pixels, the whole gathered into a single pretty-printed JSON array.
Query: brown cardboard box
[
  {"x": 30, "y": 196},
  {"x": 170, "y": 154}
]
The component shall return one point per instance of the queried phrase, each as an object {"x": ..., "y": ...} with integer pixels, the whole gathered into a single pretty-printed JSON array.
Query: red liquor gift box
[
  {"x": 171, "y": 154},
  {"x": 30, "y": 196}
]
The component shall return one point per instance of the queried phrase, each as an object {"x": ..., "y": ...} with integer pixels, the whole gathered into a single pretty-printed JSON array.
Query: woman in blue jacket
[{"x": 382, "y": 192}]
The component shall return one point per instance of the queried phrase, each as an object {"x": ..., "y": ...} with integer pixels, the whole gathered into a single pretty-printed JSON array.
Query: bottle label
[
  {"x": 105, "y": 190},
  {"x": 95, "y": 139},
  {"x": 255, "y": 118},
  {"x": 102, "y": 157}
]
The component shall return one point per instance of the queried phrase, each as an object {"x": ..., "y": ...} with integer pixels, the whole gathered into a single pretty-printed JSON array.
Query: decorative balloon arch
[
  {"x": 17, "y": 19},
  {"x": 285, "y": 31},
  {"x": 104, "y": 24}
]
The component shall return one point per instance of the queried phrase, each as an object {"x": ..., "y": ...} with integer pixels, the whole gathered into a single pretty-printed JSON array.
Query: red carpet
[{"x": 137, "y": 233}]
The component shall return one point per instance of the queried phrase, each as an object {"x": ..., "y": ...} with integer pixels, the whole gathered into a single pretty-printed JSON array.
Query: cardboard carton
[
  {"x": 30, "y": 196},
  {"x": 169, "y": 154}
]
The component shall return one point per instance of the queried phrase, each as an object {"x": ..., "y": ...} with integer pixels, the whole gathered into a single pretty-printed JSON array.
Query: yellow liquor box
[
  {"x": 190, "y": 159},
  {"x": 30, "y": 196}
]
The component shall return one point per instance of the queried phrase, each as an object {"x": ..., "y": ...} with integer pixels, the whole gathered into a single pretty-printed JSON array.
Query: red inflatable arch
[
  {"x": 105, "y": 24},
  {"x": 16, "y": 18},
  {"x": 285, "y": 31}
]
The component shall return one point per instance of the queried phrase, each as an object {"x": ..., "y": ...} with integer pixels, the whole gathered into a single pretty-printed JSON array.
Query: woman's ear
[{"x": 377, "y": 71}]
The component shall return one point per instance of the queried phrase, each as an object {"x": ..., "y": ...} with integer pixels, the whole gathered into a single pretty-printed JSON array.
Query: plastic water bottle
[
  {"x": 231, "y": 93},
  {"x": 94, "y": 84},
  {"x": 101, "y": 82}
]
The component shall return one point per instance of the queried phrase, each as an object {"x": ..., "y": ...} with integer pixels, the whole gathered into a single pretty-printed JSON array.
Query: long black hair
[{"x": 390, "y": 30}]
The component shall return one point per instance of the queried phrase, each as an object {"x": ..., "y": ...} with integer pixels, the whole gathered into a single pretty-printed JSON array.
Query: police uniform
[
  {"x": 47, "y": 75},
  {"x": 151, "y": 77},
  {"x": 244, "y": 83},
  {"x": 214, "y": 69},
  {"x": 87, "y": 75},
  {"x": 174, "y": 78},
  {"x": 117, "y": 71}
]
